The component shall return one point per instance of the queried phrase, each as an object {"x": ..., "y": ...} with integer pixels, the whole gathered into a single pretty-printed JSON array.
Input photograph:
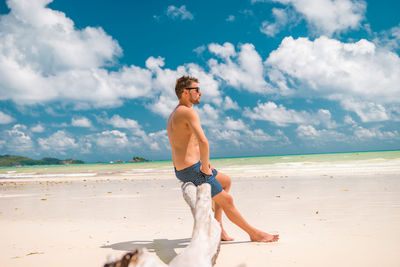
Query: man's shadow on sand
[{"x": 164, "y": 248}]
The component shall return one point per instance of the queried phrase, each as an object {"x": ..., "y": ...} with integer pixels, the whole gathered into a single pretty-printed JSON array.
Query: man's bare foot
[
  {"x": 225, "y": 236},
  {"x": 260, "y": 236}
]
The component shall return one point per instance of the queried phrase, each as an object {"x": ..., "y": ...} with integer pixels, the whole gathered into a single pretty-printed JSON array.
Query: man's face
[{"x": 194, "y": 96}]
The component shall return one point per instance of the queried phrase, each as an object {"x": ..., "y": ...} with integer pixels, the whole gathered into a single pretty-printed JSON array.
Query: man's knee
[
  {"x": 224, "y": 200},
  {"x": 228, "y": 182},
  {"x": 224, "y": 180}
]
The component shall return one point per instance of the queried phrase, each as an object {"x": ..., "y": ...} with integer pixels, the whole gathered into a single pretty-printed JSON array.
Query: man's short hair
[{"x": 182, "y": 83}]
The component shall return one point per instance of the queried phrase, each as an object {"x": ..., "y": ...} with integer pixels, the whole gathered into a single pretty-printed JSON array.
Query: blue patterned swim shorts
[{"x": 194, "y": 175}]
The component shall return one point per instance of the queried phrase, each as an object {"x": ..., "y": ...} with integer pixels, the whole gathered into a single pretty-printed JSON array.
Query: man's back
[{"x": 184, "y": 144}]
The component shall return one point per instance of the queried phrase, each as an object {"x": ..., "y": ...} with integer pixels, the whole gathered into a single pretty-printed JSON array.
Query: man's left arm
[{"x": 195, "y": 126}]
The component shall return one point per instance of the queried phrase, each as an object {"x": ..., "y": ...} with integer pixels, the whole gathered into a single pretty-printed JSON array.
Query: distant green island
[
  {"x": 14, "y": 161},
  {"x": 138, "y": 159}
]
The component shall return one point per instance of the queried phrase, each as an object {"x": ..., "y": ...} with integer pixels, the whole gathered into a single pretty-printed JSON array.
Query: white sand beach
[{"x": 328, "y": 213}]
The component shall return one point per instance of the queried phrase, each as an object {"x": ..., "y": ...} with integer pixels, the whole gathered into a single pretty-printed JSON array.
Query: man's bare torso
[{"x": 184, "y": 144}]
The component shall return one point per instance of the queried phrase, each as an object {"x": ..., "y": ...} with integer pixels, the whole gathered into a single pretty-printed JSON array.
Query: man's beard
[{"x": 195, "y": 101}]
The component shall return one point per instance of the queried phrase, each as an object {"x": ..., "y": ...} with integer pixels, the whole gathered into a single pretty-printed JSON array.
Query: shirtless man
[{"x": 189, "y": 145}]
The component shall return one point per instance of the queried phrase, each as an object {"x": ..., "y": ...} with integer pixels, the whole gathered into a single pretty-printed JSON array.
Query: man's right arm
[{"x": 194, "y": 124}]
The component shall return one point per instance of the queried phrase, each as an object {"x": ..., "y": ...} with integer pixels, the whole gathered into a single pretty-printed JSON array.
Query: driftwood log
[{"x": 206, "y": 237}]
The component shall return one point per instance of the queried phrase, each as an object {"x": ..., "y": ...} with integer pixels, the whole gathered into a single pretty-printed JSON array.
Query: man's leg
[
  {"x": 225, "y": 201},
  {"x": 225, "y": 182}
]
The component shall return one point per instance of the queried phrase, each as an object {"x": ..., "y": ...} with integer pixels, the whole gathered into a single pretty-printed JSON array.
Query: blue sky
[{"x": 94, "y": 80}]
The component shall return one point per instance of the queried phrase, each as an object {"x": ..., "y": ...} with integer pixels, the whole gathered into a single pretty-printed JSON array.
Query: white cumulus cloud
[
  {"x": 390, "y": 39},
  {"x": 232, "y": 124},
  {"x": 18, "y": 140},
  {"x": 158, "y": 140},
  {"x": 240, "y": 135},
  {"x": 230, "y": 104},
  {"x": 375, "y": 132},
  {"x": 281, "y": 16},
  {"x": 351, "y": 73},
  {"x": 226, "y": 50},
  {"x": 230, "y": 136},
  {"x": 44, "y": 57},
  {"x": 230, "y": 18},
  {"x": 5, "y": 118},
  {"x": 281, "y": 116},
  {"x": 179, "y": 13},
  {"x": 81, "y": 122},
  {"x": 309, "y": 132},
  {"x": 111, "y": 139},
  {"x": 38, "y": 128},
  {"x": 367, "y": 111},
  {"x": 258, "y": 135},
  {"x": 60, "y": 141},
  {"x": 241, "y": 70},
  {"x": 326, "y": 16},
  {"x": 125, "y": 123},
  {"x": 119, "y": 122},
  {"x": 208, "y": 114}
]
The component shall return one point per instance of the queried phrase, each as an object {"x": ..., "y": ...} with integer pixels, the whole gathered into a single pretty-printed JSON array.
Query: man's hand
[
  {"x": 206, "y": 169},
  {"x": 211, "y": 167}
]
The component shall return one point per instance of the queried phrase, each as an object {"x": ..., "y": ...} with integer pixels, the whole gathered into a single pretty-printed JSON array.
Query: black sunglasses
[{"x": 193, "y": 88}]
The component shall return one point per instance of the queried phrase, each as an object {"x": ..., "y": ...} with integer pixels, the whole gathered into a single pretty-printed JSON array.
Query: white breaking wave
[{"x": 36, "y": 175}]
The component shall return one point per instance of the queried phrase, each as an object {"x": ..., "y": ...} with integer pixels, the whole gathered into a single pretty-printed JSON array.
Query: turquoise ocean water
[{"x": 217, "y": 162}]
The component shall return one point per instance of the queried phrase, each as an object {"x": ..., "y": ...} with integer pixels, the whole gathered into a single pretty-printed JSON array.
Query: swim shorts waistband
[{"x": 189, "y": 169}]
